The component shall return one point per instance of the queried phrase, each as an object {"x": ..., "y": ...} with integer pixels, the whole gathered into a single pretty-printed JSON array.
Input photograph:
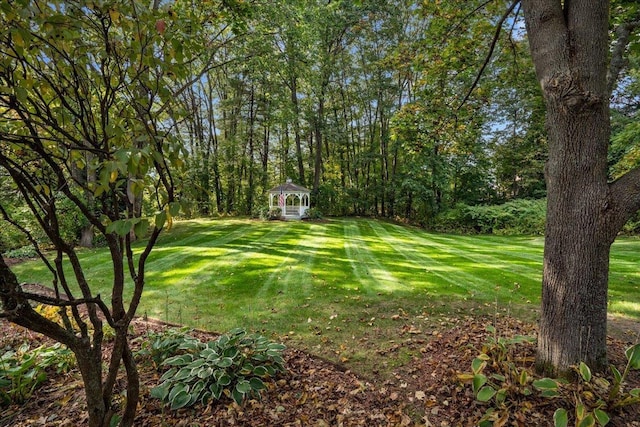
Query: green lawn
[{"x": 324, "y": 284}]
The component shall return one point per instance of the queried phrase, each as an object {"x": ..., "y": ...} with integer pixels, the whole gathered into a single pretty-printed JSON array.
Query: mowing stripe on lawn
[
  {"x": 282, "y": 296},
  {"x": 233, "y": 272},
  {"x": 175, "y": 254},
  {"x": 449, "y": 245},
  {"x": 366, "y": 267},
  {"x": 527, "y": 252},
  {"x": 471, "y": 276},
  {"x": 253, "y": 245},
  {"x": 499, "y": 264},
  {"x": 431, "y": 265},
  {"x": 293, "y": 268}
]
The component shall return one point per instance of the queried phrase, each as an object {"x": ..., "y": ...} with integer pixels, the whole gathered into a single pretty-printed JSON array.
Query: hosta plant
[
  {"x": 503, "y": 383},
  {"x": 24, "y": 369},
  {"x": 159, "y": 346},
  {"x": 595, "y": 398},
  {"x": 234, "y": 365},
  {"x": 500, "y": 379}
]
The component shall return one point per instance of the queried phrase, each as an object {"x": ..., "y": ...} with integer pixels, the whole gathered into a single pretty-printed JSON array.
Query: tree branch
[
  {"x": 59, "y": 302},
  {"x": 492, "y": 47},
  {"x": 624, "y": 199},
  {"x": 34, "y": 243},
  {"x": 455, "y": 27},
  {"x": 618, "y": 53},
  {"x": 17, "y": 309}
]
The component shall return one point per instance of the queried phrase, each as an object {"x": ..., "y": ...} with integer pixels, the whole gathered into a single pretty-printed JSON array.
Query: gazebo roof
[{"x": 289, "y": 187}]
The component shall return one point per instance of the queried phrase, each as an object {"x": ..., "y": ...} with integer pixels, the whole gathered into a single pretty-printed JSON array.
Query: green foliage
[
  {"x": 71, "y": 221},
  {"x": 260, "y": 212},
  {"x": 498, "y": 382},
  {"x": 595, "y": 397},
  {"x": 516, "y": 217},
  {"x": 312, "y": 213},
  {"x": 10, "y": 238},
  {"x": 22, "y": 252},
  {"x": 234, "y": 365},
  {"x": 274, "y": 213},
  {"x": 88, "y": 131},
  {"x": 23, "y": 370},
  {"x": 497, "y": 379},
  {"x": 161, "y": 345},
  {"x": 633, "y": 225},
  {"x": 267, "y": 214}
]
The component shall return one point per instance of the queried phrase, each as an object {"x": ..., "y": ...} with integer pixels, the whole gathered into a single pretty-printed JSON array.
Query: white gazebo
[{"x": 291, "y": 198}]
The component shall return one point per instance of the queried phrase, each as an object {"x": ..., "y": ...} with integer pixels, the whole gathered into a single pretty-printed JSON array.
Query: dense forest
[
  {"x": 425, "y": 112},
  {"x": 401, "y": 109},
  {"x": 396, "y": 109}
]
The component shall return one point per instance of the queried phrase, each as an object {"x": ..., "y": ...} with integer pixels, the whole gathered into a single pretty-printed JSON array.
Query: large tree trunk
[
  {"x": 573, "y": 322},
  {"x": 569, "y": 46}
]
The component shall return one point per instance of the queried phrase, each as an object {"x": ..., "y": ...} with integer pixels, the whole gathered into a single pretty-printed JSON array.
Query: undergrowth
[
  {"x": 24, "y": 369},
  {"x": 507, "y": 385}
]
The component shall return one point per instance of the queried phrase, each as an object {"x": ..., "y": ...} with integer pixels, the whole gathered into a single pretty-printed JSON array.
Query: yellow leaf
[
  {"x": 465, "y": 377},
  {"x": 18, "y": 40},
  {"x": 169, "y": 221},
  {"x": 65, "y": 399},
  {"x": 115, "y": 15}
]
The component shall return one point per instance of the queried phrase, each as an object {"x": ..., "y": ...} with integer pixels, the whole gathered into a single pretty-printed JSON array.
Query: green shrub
[
  {"x": 261, "y": 212},
  {"x": 22, "y": 252},
  {"x": 23, "y": 370},
  {"x": 274, "y": 213},
  {"x": 10, "y": 237},
  {"x": 234, "y": 365},
  {"x": 520, "y": 216},
  {"x": 312, "y": 213}
]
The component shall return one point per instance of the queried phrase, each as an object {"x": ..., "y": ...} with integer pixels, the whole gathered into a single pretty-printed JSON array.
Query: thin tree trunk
[
  {"x": 317, "y": 164},
  {"x": 265, "y": 156},
  {"x": 133, "y": 387},
  {"x": 90, "y": 367},
  {"x": 296, "y": 128},
  {"x": 250, "y": 160},
  {"x": 18, "y": 310}
]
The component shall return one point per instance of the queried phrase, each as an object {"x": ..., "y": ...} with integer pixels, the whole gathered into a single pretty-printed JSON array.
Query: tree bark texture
[
  {"x": 569, "y": 46},
  {"x": 17, "y": 309}
]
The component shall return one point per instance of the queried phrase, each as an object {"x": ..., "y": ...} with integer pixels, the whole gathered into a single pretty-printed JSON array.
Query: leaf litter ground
[{"x": 423, "y": 391}]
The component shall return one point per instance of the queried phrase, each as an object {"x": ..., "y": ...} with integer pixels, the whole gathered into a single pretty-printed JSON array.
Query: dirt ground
[{"x": 425, "y": 391}]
